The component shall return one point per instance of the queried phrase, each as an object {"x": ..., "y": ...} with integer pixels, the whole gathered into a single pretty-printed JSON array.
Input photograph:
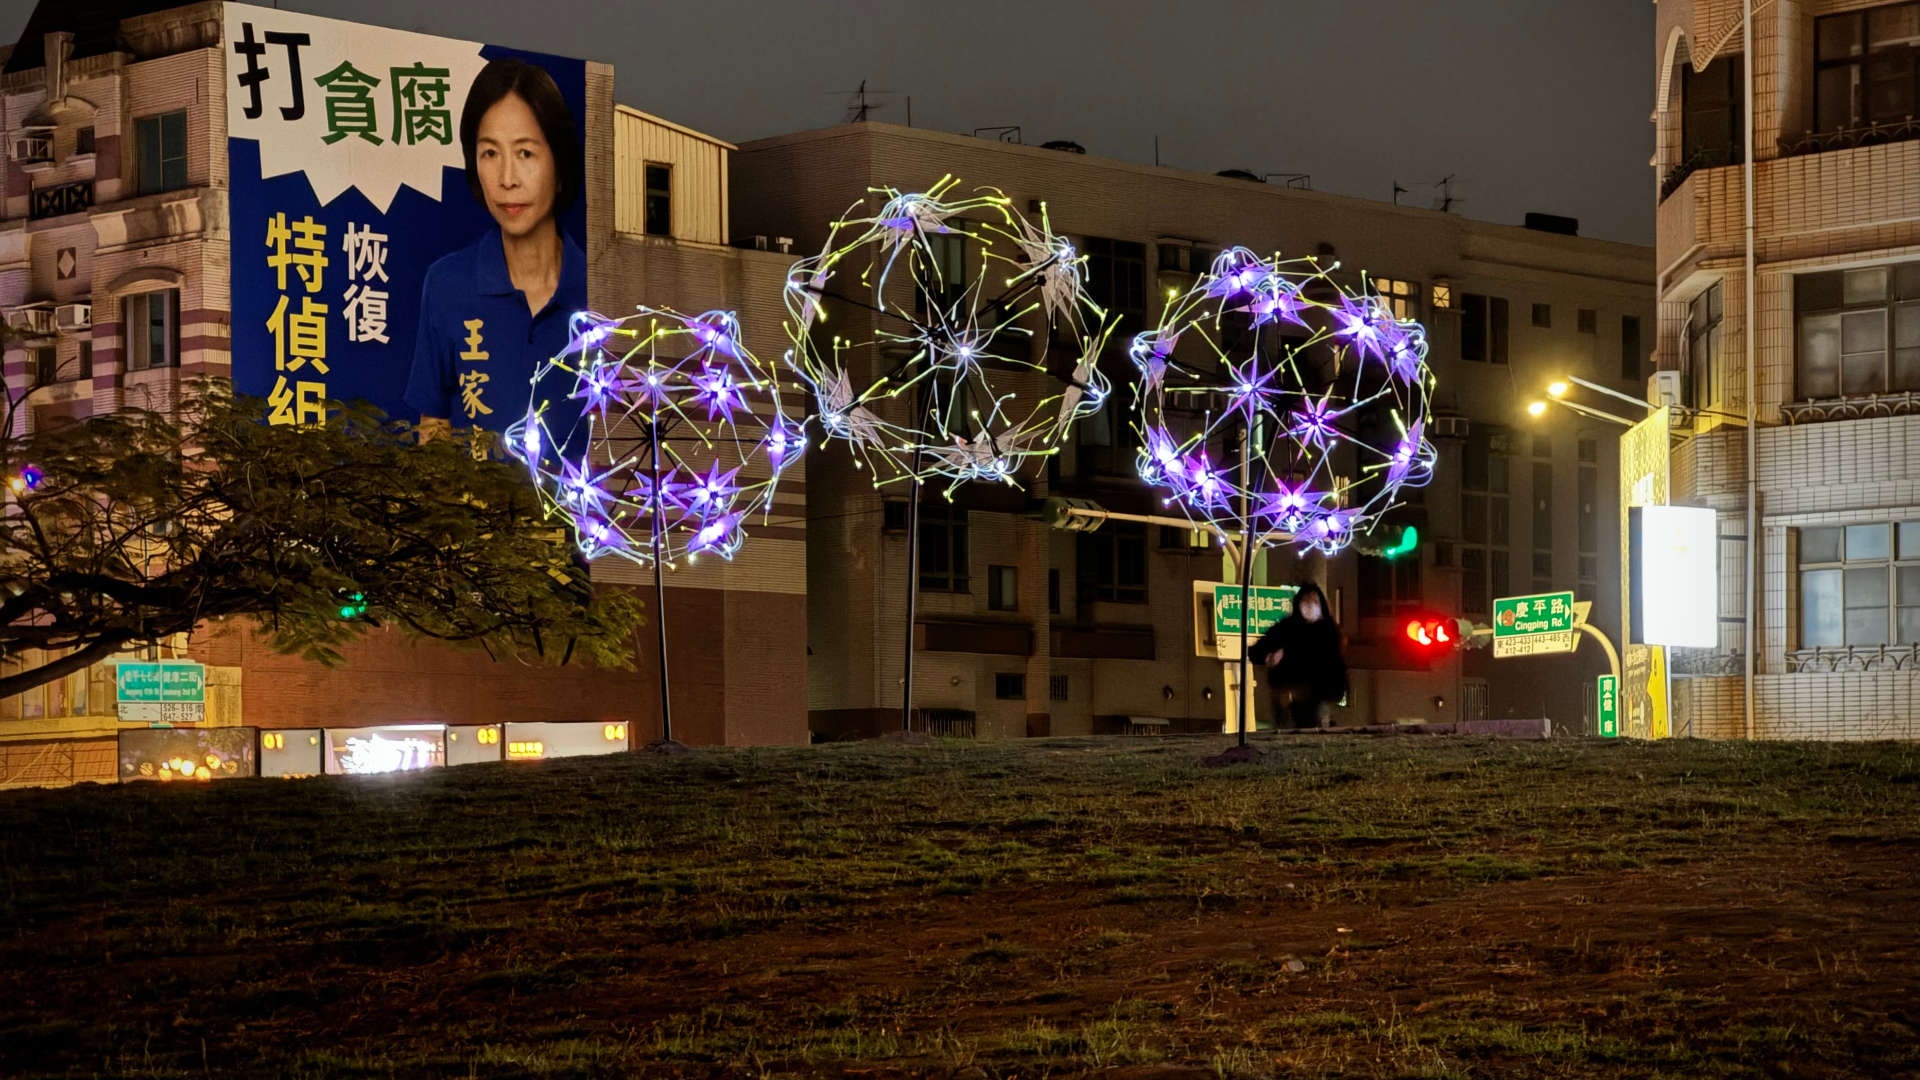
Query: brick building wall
[{"x": 1840, "y": 204}]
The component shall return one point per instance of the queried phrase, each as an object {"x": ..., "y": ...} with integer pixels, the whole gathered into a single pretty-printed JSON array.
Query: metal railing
[
  {"x": 1815, "y": 142},
  {"x": 1841, "y": 658}
]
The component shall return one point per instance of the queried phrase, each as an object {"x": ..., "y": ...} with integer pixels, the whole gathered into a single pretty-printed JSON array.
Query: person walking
[{"x": 1305, "y": 662}]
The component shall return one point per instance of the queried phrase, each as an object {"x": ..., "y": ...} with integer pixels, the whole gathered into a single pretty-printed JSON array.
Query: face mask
[{"x": 1310, "y": 611}]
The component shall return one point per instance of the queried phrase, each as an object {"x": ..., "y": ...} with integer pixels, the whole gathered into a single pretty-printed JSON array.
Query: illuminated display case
[
  {"x": 292, "y": 752},
  {"x": 539, "y": 741},
  {"x": 190, "y": 754},
  {"x": 364, "y": 751},
  {"x": 474, "y": 744}
]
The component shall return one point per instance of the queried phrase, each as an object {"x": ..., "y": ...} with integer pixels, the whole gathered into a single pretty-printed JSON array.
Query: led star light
[
  {"x": 970, "y": 345},
  {"x": 676, "y": 439},
  {"x": 1328, "y": 388}
]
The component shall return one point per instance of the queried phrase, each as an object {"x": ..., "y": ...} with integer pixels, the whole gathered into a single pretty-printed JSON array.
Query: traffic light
[
  {"x": 355, "y": 606},
  {"x": 1427, "y": 633}
]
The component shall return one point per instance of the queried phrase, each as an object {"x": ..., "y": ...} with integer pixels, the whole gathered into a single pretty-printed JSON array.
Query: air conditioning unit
[
  {"x": 68, "y": 317},
  {"x": 784, "y": 243},
  {"x": 33, "y": 321},
  {"x": 1663, "y": 388},
  {"x": 759, "y": 242},
  {"x": 32, "y": 150},
  {"x": 1449, "y": 427}
]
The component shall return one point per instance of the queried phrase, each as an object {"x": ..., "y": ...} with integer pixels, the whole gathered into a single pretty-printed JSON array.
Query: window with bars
[
  {"x": 1866, "y": 67},
  {"x": 1057, "y": 687},
  {"x": 1703, "y": 346},
  {"x": 1858, "y": 331},
  {"x": 943, "y": 548},
  {"x": 1860, "y": 585}
]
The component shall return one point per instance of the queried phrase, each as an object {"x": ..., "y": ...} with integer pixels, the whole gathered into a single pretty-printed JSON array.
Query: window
[
  {"x": 1057, "y": 687},
  {"x": 1860, "y": 585},
  {"x": 1589, "y": 495},
  {"x": 1402, "y": 296},
  {"x": 893, "y": 516},
  {"x": 1542, "y": 508},
  {"x": 1587, "y": 321},
  {"x": 949, "y": 257},
  {"x": 86, "y": 359},
  {"x": 160, "y": 143},
  {"x": 1865, "y": 69},
  {"x": 659, "y": 208},
  {"x": 152, "y": 325},
  {"x": 83, "y": 140},
  {"x": 943, "y": 547},
  {"x": 1009, "y": 687},
  {"x": 1003, "y": 589},
  {"x": 46, "y": 365},
  {"x": 1703, "y": 346},
  {"x": 1712, "y": 118},
  {"x": 1116, "y": 276},
  {"x": 1543, "y": 446},
  {"x": 1543, "y": 316},
  {"x": 1113, "y": 563},
  {"x": 1053, "y": 592},
  {"x": 1859, "y": 331},
  {"x": 1588, "y": 449},
  {"x": 1633, "y": 362},
  {"x": 1389, "y": 586},
  {"x": 1483, "y": 328},
  {"x": 1485, "y": 522}
]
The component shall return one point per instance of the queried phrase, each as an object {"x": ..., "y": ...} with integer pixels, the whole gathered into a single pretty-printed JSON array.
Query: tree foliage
[{"x": 143, "y": 525}]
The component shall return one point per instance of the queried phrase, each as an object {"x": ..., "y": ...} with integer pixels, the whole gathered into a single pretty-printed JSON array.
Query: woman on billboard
[{"x": 493, "y": 311}]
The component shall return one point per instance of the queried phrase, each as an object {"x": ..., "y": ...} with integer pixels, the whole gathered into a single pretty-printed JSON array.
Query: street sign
[
  {"x": 1271, "y": 603},
  {"x": 162, "y": 681},
  {"x": 162, "y": 692},
  {"x": 1608, "y": 714},
  {"x": 1534, "y": 625}
]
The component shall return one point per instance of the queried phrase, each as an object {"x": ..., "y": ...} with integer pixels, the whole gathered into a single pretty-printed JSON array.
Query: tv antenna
[{"x": 858, "y": 107}]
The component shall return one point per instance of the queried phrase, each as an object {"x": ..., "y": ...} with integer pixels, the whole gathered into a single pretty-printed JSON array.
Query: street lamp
[{"x": 1535, "y": 408}]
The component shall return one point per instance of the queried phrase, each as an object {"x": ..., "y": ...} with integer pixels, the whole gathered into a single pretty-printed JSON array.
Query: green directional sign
[
  {"x": 164, "y": 681},
  {"x": 1541, "y": 613},
  {"x": 1609, "y": 712},
  {"x": 1271, "y": 603}
]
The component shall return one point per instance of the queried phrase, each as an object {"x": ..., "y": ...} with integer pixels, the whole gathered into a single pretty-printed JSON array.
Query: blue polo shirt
[{"x": 478, "y": 345}]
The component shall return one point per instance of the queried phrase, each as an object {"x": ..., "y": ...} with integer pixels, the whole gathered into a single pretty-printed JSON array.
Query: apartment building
[
  {"x": 1833, "y": 331},
  {"x": 1024, "y": 630},
  {"x": 115, "y": 268}
]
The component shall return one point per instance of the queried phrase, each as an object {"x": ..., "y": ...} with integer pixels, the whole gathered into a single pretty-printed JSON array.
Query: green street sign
[
  {"x": 1542, "y": 613},
  {"x": 1271, "y": 603},
  {"x": 1609, "y": 712},
  {"x": 164, "y": 681}
]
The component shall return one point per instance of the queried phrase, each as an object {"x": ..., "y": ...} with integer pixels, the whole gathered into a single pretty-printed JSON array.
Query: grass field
[{"x": 1355, "y": 907}]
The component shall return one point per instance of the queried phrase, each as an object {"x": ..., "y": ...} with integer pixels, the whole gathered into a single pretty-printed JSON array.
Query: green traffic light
[
  {"x": 1409, "y": 540},
  {"x": 355, "y": 609}
]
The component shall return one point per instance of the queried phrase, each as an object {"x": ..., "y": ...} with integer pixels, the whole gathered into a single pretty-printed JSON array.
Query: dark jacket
[{"x": 1310, "y": 651}]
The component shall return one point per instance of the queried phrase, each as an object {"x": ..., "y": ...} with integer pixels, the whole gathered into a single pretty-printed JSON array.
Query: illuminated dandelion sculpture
[
  {"x": 1279, "y": 408},
  {"x": 945, "y": 338},
  {"x": 670, "y": 445}
]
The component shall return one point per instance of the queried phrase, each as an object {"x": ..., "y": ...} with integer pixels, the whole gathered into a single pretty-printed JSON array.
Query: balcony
[{"x": 1694, "y": 162}]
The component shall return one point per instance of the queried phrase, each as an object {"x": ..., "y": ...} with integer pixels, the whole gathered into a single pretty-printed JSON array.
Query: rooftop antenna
[
  {"x": 1445, "y": 200},
  {"x": 1397, "y": 192},
  {"x": 858, "y": 107}
]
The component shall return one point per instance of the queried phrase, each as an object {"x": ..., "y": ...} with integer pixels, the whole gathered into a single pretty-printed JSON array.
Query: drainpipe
[{"x": 1752, "y": 329}]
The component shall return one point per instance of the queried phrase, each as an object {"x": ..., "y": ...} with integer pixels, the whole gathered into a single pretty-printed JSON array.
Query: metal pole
[
  {"x": 1246, "y": 577},
  {"x": 913, "y": 594},
  {"x": 659, "y": 586},
  {"x": 1753, "y": 537}
]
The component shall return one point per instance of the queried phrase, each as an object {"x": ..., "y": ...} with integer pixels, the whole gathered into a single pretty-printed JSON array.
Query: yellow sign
[{"x": 1645, "y": 469}]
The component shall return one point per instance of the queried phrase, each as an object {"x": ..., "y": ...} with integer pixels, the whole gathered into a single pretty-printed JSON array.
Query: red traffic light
[{"x": 1431, "y": 633}]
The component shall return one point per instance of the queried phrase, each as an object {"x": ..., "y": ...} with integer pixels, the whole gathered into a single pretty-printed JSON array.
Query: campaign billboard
[{"x": 407, "y": 215}]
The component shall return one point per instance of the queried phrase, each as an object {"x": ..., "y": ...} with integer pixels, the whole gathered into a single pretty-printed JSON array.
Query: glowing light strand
[
  {"x": 684, "y": 390},
  {"x": 1333, "y": 387},
  {"x": 957, "y": 309}
]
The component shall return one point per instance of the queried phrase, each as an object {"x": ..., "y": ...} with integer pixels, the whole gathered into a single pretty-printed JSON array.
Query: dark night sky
[{"x": 1531, "y": 106}]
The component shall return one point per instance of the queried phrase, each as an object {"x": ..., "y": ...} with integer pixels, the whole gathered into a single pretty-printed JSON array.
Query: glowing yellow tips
[
  {"x": 1558, "y": 388},
  {"x": 1536, "y": 408}
]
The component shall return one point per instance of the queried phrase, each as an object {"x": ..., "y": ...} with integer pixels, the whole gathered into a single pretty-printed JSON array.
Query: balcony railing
[
  {"x": 1699, "y": 159},
  {"x": 1847, "y": 138},
  {"x": 1856, "y": 658},
  {"x": 1864, "y": 406}
]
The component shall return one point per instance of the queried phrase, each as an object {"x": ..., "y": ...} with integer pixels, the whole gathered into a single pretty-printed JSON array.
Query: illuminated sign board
[
  {"x": 538, "y": 741},
  {"x": 394, "y": 748},
  {"x": 191, "y": 754},
  {"x": 1676, "y": 576}
]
